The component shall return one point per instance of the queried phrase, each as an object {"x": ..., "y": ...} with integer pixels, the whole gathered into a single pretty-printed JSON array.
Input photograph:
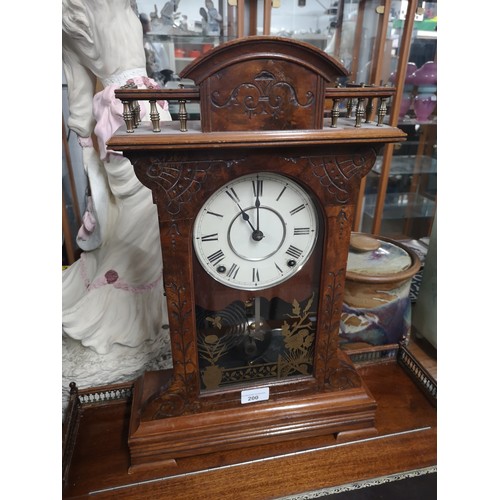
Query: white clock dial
[{"x": 256, "y": 231}]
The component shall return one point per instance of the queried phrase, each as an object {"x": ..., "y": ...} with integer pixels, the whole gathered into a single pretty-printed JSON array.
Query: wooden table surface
[{"x": 406, "y": 440}]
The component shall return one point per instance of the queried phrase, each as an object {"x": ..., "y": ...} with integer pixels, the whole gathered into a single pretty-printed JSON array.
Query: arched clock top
[
  {"x": 254, "y": 48},
  {"x": 263, "y": 83}
]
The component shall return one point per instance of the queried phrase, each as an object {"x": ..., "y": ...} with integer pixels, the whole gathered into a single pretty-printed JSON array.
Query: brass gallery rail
[{"x": 356, "y": 101}]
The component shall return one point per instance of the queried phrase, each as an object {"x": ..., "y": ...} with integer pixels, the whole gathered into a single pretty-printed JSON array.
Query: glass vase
[
  {"x": 405, "y": 104},
  {"x": 424, "y": 105}
]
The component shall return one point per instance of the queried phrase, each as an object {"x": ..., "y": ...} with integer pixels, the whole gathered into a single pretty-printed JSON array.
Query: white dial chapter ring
[
  {"x": 256, "y": 231},
  {"x": 251, "y": 249}
]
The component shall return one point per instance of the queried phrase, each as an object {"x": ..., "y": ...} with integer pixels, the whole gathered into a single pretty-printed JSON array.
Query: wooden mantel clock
[{"x": 255, "y": 206}]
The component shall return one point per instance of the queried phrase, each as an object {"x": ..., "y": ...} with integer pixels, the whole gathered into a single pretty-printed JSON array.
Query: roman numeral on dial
[
  {"x": 233, "y": 271},
  {"x": 255, "y": 274},
  {"x": 294, "y": 252},
  {"x": 215, "y": 214},
  {"x": 232, "y": 194},
  {"x": 210, "y": 237},
  {"x": 281, "y": 193},
  {"x": 258, "y": 187},
  {"x": 297, "y": 231},
  {"x": 297, "y": 209},
  {"x": 216, "y": 257}
]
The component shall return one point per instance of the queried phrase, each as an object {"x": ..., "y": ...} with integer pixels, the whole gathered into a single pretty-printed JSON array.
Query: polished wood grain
[
  {"x": 406, "y": 440},
  {"x": 171, "y": 139}
]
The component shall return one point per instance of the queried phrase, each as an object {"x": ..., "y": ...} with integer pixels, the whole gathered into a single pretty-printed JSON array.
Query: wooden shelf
[{"x": 406, "y": 423}]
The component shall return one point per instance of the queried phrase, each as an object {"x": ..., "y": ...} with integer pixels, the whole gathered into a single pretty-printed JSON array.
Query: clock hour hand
[{"x": 246, "y": 218}]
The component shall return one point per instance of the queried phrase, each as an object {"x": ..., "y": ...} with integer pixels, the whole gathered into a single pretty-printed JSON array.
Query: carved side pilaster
[
  {"x": 181, "y": 396},
  {"x": 339, "y": 374},
  {"x": 327, "y": 343},
  {"x": 336, "y": 178}
]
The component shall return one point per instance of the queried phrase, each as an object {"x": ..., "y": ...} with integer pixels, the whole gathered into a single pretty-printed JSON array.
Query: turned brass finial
[
  {"x": 136, "y": 113},
  {"x": 182, "y": 112},
  {"x": 135, "y": 108},
  {"x": 349, "y": 107},
  {"x": 154, "y": 116},
  {"x": 335, "y": 112},
  {"x": 128, "y": 116},
  {"x": 360, "y": 112},
  {"x": 382, "y": 111},
  {"x": 369, "y": 109}
]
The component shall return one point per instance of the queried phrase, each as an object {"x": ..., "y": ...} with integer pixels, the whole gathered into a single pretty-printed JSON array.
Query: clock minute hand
[
  {"x": 257, "y": 234},
  {"x": 257, "y": 206}
]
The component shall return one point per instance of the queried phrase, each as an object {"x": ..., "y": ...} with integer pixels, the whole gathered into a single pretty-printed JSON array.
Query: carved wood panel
[{"x": 268, "y": 95}]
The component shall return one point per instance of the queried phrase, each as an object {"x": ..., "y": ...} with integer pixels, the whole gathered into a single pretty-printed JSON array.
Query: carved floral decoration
[
  {"x": 265, "y": 95},
  {"x": 298, "y": 333},
  {"x": 338, "y": 172}
]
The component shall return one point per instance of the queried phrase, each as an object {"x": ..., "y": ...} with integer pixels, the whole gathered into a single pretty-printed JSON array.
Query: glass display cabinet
[
  {"x": 381, "y": 44},
  {"x": 376, "y": 40},
  {"x": 401, "y": 192}
]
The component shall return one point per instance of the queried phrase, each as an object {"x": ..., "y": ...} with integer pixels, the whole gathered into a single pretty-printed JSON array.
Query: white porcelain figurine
[{"x": 113, "y": 312}]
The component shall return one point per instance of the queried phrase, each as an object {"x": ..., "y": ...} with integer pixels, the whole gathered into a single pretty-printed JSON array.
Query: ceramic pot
[{"x": 377, "y": 306}]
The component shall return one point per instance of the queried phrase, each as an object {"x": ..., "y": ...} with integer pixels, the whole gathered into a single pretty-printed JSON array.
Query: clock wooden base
[{"x": 158, "y": 443}]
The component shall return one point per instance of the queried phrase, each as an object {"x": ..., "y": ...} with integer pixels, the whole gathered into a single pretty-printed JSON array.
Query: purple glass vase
[
  {"x": 405, "y": 104},
  {"x": 425, "y": 75},
  {"x": 411, "y": 67},
  {"x": 424, "y": 105}
]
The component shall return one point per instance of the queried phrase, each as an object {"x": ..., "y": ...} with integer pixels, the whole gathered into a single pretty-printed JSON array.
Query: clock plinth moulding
[{"x": 255, "y": 206}]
